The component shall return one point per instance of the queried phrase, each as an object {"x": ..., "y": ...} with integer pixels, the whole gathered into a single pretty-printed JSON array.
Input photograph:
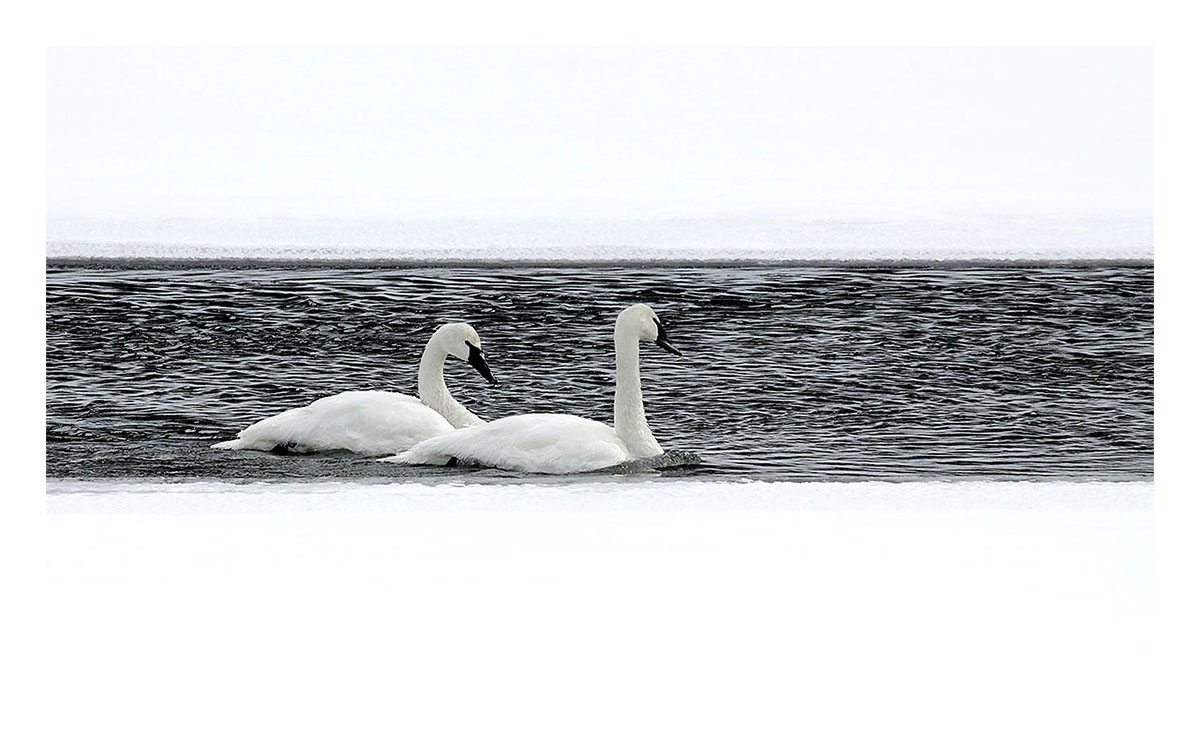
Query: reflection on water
[{"x": 808, "y": 373}]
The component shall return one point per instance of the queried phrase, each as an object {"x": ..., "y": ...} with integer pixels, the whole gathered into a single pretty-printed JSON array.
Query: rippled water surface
[{"x": 788, "y": 372}]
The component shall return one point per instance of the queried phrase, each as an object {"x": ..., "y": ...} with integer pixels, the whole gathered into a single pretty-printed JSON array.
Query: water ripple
[{"x": 805, "y": 373}]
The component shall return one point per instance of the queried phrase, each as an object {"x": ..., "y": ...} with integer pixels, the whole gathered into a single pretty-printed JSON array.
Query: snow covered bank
[
  {"x": 631, "y": 494},
  {"x": 602, "y": 605},
  {"x": 756, "y": 238}
]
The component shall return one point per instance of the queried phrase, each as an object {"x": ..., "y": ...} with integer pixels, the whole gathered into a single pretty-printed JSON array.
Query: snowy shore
[
  {"x": 614, "y": 494},
  {"x": 662, "y": 604},
  {"x": 858, "y": 238}
]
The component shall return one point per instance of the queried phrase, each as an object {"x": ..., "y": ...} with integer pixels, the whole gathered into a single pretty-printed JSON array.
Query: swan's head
[
  {"x": 461, "y": 341},
  {"x": 642, "y": 321}
]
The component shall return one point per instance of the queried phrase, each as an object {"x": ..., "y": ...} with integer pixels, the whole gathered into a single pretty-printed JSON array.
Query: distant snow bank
[
  {"x": 82, "y": 497},
  {"x": 966, "y": 237}
]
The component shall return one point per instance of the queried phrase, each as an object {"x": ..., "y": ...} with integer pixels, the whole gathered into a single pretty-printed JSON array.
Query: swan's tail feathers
[{"x": 231, "y": 444}]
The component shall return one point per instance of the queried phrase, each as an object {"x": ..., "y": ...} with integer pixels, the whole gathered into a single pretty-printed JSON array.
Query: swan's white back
[
  {"x": 548, "y": 443},
  {"x": 366, "y": 422}
]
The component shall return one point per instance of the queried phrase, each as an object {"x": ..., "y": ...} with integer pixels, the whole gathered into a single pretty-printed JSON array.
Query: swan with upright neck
[
  {"x": 377, "y": 422},
  {"x": 561, "y": 443}
]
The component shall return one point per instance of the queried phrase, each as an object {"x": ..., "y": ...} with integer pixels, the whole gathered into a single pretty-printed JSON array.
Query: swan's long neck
[
  {"x": 431, "y": 386},
  {"x": 629, "y": 416}
]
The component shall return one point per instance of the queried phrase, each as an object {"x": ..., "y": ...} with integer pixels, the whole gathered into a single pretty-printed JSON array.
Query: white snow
[
  {"x": 554, "y": 131},
  {"x": 664, "y": 604},
  {"x": 633, "y": 493},
  {"x": 734, "y": 238}
]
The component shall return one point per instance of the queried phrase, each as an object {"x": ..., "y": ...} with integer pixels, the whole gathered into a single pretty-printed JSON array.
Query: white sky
[{"x": 410, "y": 133}]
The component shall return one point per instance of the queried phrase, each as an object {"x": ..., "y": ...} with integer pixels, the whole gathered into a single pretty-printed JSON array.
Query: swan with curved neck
[
  {"x": 377, "y": 422},
  {"x": 561, "y": 443}
]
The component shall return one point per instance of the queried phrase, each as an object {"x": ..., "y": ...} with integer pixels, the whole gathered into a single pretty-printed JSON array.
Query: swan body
[
  {"x": 376, "y": 422},
  {"x": 561, "y": 443},
  {"x": 549, "y": 443}
]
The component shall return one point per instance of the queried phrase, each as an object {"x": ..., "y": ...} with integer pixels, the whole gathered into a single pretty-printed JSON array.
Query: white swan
[
  {"x": 560, "y": 443},
  {"x": 377, "y": 422}
]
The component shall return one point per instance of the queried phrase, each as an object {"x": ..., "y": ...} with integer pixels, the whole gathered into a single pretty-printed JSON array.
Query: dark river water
[{"x": 824, "y": 373}]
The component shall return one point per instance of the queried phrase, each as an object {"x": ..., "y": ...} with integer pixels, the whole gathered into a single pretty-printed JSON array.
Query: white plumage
[
  {"x": 551, "y": 443},
  {"x": 561, "y": 443},
  {"x": 376, "y": 422},
  {"x": 367, "y": 422}
]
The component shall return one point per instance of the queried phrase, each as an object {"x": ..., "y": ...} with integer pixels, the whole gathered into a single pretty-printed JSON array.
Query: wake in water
[{"x": 667, "y": 461}]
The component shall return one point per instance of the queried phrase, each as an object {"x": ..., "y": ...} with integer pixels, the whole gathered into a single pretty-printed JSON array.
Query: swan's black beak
[
  {"x": 476, "y": 359},
  {"x": 662, "y": 342}
]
